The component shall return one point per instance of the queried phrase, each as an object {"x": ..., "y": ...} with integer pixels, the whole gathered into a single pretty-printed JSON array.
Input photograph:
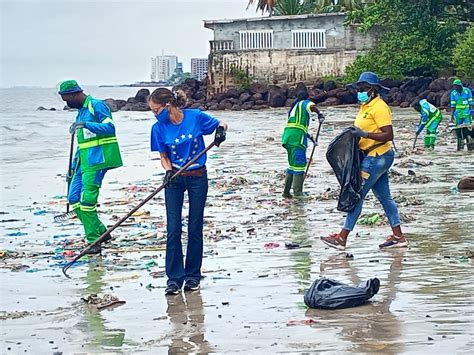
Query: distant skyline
[{"x": 103, "y": 41}]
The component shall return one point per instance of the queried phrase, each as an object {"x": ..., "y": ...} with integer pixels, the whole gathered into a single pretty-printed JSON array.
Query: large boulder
[
  {"x": 445, "y": 99},
  {"x": 233, "y": 93},
  {"x": 256, "y": 97},
  {"x": 142, "y": 95},
  {"x": 331, "y": 101},
  {"x": 289, "y": 102},
  {"x": 319, "y": 84},
  {"x": 260, "y": 102},
  {"x": 437, "y": 85},
  {"x": 120, "y": 103},
  {"x": 391, "y": 83},
  {"x": 112, "y": 105},
  {"x": 236, "y": 107},
  {"x": 257, "y": 88},
  {"x": 334, "y": 92},
  {"x": 423, "y": 95},
  {"x": 192, "y": 83},
  {"x": 466, "y": 183},
  {"x": 330, "y": 85},
  {"x": 248, "y": 105},
  {"x": 200, "y": 95},
  {"x": 138, "y": 106},
  {"x": 405, "y": 104},
  {"x": 347, "y": 97},
  {"x": 277, "y": 96},
  {"x": 245, "y": 96}
]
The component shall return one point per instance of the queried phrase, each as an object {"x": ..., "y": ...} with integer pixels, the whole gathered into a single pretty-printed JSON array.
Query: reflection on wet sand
[
  {"x": 186, "y": 315},
  {"x": 371, "y": 327},
  {"x": 299, "y": 234},
  {"x": 94, "y": 323}
]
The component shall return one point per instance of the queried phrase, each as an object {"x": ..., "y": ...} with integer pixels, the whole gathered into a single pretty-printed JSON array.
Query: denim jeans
[
  {"x": 197, "y": 187},
  {"x": 374, "y": 172}
]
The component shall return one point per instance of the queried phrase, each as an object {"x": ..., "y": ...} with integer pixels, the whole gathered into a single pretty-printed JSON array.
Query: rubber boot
[
  {"x": 288, "y": 182},
  {"x": 298, "y": 185}
]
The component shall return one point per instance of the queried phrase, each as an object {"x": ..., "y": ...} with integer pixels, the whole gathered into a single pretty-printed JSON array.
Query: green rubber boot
[
  {"x": 298, "y": 185},
  {"x": 288, "y": 182}
]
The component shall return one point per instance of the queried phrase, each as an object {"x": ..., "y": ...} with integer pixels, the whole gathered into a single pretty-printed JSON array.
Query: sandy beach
[{"x": 250, "y": 292}]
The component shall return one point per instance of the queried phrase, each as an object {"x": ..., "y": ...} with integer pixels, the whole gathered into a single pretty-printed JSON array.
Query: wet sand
[{"x": 249, "y": 293}]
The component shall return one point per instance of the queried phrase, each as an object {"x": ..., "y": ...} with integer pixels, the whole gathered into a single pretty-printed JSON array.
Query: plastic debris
[
  {"x": 300, "y": 322},
  {"x": 271, "y": 245},
  {"x": 370, "y": 219},
  {"x": 16, "y": 234},
  {"x": 101, "y": 302}
]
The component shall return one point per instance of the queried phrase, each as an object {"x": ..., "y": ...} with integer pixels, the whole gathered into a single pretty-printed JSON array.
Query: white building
[
  {"x": 199, "y": 67},
  {"x": 163, "y": 67}
]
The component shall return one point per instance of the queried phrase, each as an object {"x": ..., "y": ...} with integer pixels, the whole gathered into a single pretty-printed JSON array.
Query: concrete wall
[
  {"x": 282, "y": 64},
  {"x": 278, "y": 67}
]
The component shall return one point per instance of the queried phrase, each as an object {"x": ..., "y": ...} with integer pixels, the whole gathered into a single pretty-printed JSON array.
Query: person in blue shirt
[{"x": 178, "y": 137}]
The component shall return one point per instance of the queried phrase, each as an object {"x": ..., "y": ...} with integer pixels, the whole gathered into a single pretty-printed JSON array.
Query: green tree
[
  {"x": 464, "y": 54},
  {"x": 263, "y": 5},
  {"x": 294, "y": 7},
  {"x": 417, "y": 38}
]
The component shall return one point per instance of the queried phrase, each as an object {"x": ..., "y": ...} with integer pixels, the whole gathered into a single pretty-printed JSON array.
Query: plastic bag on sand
[
  {"x": 343, "y": 156},
  {"x": 331, "y": 294}
]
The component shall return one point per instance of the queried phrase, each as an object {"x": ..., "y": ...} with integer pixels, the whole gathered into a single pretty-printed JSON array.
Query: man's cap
[
  {"x": 69, "y": 87},
  {"x": 457, "y": 82}
]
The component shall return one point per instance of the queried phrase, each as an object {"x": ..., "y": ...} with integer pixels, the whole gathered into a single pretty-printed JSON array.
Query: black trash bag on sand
[
  {"x": 344, "y": 157},
  {"x": 331, "y": 294}
]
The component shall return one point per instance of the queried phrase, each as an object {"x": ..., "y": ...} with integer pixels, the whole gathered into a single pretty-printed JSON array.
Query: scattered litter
[
  {"x": 271, "y": 245},
  {"x": 371, "y": 219},
  {"x": 101, "y": 302},
  {"x": 300, "y": 322},
  {"x": 16, "y": 234}
]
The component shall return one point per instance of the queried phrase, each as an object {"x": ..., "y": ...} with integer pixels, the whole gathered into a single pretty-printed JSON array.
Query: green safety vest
[
  {"x": 97, "y": 152},
  {"x": 295, "y": 133}
]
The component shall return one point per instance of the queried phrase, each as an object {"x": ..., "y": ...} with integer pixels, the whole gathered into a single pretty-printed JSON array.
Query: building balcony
[{"x": 217, "y": 46}]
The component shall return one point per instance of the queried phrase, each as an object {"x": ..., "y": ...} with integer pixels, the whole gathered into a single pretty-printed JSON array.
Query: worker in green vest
[
  {"x": 295, "y": 141},
  {"x": 430, "y": 118},
  {"x": 97, "y": 152}
]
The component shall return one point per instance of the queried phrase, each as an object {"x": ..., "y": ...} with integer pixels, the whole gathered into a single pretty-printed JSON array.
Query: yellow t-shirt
[{"x": 370, "y": 118}]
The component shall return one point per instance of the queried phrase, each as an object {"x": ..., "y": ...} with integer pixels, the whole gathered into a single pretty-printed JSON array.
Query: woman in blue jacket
[{"x": 178, "y": 136}]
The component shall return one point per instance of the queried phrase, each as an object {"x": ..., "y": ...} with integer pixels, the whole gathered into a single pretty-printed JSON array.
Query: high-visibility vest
[
  {"x": 461, "y": 101},
  {"x": 300, "y": 118},
  {"x": 96, "y": 151}
]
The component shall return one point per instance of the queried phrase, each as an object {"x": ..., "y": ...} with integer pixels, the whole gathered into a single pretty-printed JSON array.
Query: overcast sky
[{"x": 103, "y": 41}]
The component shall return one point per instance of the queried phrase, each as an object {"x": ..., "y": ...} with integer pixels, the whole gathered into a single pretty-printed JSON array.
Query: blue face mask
[
  {"x": 363, "y": 97},
  {"x": 163, "y": 116}
]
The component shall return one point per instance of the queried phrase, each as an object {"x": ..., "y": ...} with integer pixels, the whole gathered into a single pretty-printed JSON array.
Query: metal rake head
[{"x": 64, "y": 217}]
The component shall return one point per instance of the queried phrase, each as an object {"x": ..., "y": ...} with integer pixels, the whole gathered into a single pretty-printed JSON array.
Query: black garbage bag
[
  {"x": 331, "y": 294},
  {"x": 344, "y": 157}
]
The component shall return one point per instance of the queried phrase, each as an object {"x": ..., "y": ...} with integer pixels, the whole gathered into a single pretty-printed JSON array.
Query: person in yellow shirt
[{"x": 373, "y": 125}]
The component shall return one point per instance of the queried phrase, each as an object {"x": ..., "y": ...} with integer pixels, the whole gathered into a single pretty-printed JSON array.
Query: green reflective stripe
[
  {"x": 88, "y": 208},
  {"x": 96, "y": 142},
  {"x": 75, "y": 205},
  {"x": 435, "y": 117},
  {"x": 298, "y": 168},
  {"x": 107, "y": 120},
  {"x": 295, "y": 125},
  {"x": 90, "y": 108}
]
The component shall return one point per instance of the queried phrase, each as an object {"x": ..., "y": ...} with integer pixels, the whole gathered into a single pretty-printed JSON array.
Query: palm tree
[
  {"x": 294, "y": 7},
  {"x": 264, "y": 5}
]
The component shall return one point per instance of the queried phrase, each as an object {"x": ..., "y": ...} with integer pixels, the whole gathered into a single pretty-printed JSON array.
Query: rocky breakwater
[{"x": 258, "y": 96}]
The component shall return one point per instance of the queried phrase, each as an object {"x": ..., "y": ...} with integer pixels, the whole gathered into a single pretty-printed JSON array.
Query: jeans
[
  {"x": 374, "y": 171},
  {"x": 197, "y": 187}
]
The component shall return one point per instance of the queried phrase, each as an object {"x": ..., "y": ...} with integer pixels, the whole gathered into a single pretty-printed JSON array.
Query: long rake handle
[
  {"x": 312, "y": 151},
  {"x": 69, "y": 170},
  {"x": 135, "y": 209}
]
